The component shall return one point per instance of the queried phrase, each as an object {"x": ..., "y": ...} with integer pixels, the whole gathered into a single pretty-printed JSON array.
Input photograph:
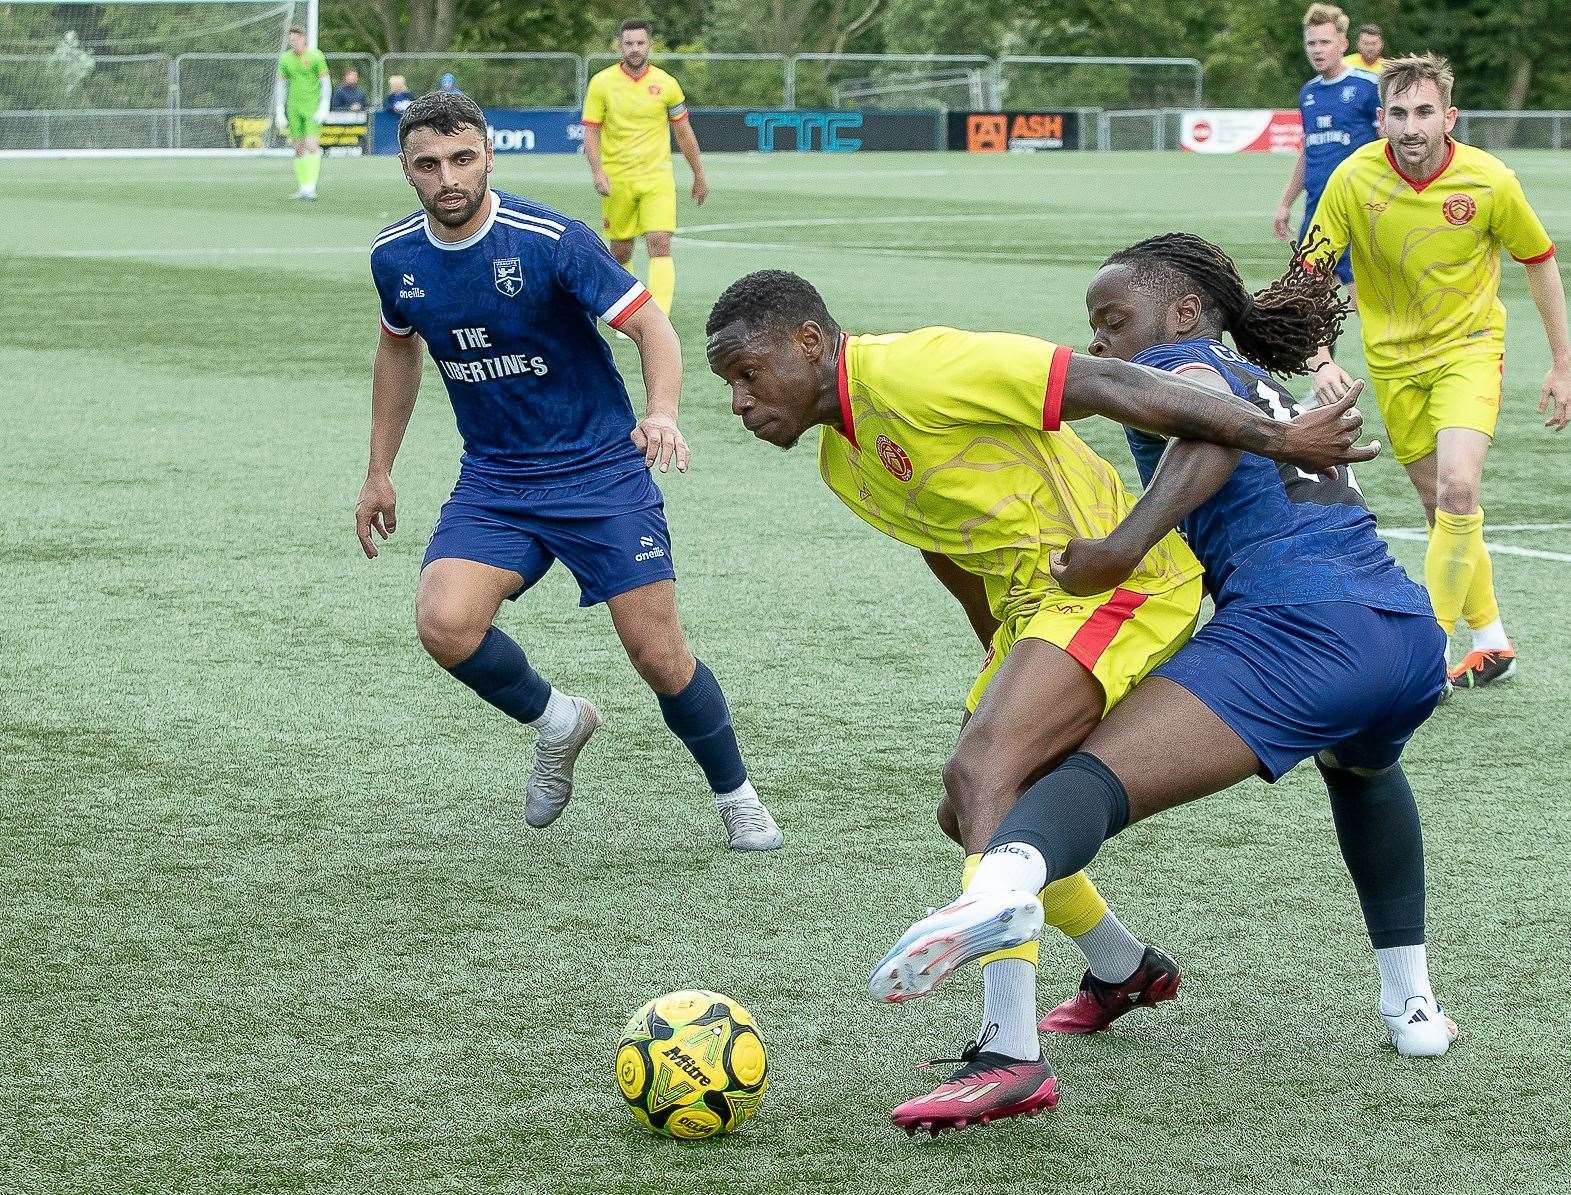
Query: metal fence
[
  {"x": 523, "y": 80},
  {"x": 159, "y": 101},
  {"x": 1114, "y": 84},
  {"x": 725, "y": 80}
]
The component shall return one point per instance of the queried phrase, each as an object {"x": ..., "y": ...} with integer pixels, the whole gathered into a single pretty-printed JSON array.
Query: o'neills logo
[
  {"x": 894, "y": 457},
  {"x": 1459, "y": 209}
]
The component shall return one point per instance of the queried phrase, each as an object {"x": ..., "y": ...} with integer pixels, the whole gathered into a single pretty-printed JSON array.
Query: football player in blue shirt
[
  {"x": 505, "y": 294},
  {"x": 1340, "y": 109},
  {"x": 1321, "y": 646}
]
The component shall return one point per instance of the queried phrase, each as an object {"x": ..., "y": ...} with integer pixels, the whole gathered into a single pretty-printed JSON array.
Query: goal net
[{"x": 139, "y": 74}]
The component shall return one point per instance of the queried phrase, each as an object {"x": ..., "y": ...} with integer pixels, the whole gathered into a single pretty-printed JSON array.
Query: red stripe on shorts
[{"x": 1098, "y": 631}]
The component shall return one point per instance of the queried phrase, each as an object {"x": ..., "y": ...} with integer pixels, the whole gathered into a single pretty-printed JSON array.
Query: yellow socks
[
  {"x": 662, "y": 281},
  {"x": 1456, "y": 545},
  {"x": 1072, "y": 905},
  {"x": 1481, "y": 609},
  {"x": 302, "y": 170}
]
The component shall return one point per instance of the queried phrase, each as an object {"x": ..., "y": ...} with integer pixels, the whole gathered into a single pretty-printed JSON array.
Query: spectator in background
[
  {"x": 399, "y": 96},
  {"x": 349, "y": 96},
  {"x": 449, "y": 84},
  {"x": 1371, "y": 47}
]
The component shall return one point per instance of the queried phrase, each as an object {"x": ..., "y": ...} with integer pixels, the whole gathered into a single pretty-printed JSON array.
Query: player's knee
[
  {"x": 447, "y": 634},
  {"x": 973, "y": 778},
  {"x": 659, "y": 244},
  {"x": 664, "y": 662},
  {"x": 948, "y": 819},
  {"x": 622, "y": 251},
  {"x": 1456, "y": 490}
]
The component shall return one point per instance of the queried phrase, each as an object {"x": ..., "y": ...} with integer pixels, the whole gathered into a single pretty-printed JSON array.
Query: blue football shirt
[
  {"x": 1274, "y": 535},
  {"x": 1338, "y": 116},
  {"x": 509, "y": 318}
]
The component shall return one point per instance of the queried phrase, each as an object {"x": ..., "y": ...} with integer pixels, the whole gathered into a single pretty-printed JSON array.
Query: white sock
[
  {"x": 1112, "y": 952},
  {"x": 1490, "y": 638},
  {"x": 559, "y": 717},
  {"x": 743, "y": 792},
  {"x": 1404, "y": 973},
  {"x": 1009, "y": 1002},
  {"x": 1009, "y": 867}
]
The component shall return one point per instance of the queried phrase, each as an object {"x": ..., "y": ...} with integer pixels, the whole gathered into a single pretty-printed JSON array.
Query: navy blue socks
[
  {"x": 1068, "y": 815},
  {"x": 501, "y": 674},
  {"x": 699, "y": 716},
  {"x": 1382, "y": 843}
]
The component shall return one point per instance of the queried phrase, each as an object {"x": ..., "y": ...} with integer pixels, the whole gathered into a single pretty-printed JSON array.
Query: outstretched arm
[
  {"x": 969, "y": 591},
  {"x": 1157, "y": 402}
]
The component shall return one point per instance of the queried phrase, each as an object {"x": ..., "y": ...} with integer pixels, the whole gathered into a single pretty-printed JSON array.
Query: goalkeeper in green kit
[{"x": 301, "y": 104}]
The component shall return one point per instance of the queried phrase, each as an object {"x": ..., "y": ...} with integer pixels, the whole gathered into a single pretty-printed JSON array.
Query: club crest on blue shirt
[{"x": 508, "y": 273}]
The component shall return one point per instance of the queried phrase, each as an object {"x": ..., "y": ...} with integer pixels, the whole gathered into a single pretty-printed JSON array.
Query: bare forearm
[
  {"x": 688, "y": 144},
  {"x": 1549, "y": 296},
  {"x": 592, "y": 147},
  {"x": 395, "y": 384},
  {"x": 660, "y": 355},
  {"x": 1189, "y": 475},
  {"x": 969, "y": 591},
  {"x": 1295, "y": 181},
  {"x": 1154, "y": 401}
]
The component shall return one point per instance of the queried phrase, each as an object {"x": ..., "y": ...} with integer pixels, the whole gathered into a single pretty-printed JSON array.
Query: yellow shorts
[
  {"x": 1462, "y": 390},
  {"x": 639, "y": 205},
  {"x": 1119, "y": 638}
]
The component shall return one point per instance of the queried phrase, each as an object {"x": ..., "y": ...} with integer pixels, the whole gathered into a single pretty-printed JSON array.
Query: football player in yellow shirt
[
  {"x": 1370, "y": 55},
  {"x": 1425, "y": 219},
  {"x": 628, "y": 109},
  {"x": 954, "y": 443}
]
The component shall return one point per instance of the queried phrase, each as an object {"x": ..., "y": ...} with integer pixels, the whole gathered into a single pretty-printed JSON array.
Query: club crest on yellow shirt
[
  {"x": 1459, "y": 209},
  {"x": 894, "y": 458}
]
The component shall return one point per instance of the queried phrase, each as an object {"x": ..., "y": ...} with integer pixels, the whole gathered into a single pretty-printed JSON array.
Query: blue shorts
[
  {"x": 611, "y": 533},
  {"x": 1344, "y": 264},
  {"x": 1292, "y": 681}
]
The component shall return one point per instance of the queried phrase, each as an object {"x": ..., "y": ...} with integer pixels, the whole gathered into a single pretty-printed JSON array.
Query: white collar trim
[
  {"x": 1337, "y": 78},
  {"x": 474, "y": 238}
]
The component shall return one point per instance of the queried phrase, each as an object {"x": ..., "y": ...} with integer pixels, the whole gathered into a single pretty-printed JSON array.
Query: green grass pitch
[{"x": 272, "y": 920}]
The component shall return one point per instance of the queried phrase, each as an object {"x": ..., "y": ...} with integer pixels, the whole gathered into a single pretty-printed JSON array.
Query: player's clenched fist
[
  {"x": 1086, "y": 566},
  {"x": 375, "y": 509}
]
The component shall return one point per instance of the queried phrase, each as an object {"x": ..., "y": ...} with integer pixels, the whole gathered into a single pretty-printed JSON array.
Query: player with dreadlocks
[{"x": 1321, "y": 646}]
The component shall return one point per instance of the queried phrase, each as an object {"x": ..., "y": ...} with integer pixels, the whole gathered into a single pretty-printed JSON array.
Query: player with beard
[
  {"x": 505, "y": 294},
  {"x": 1426, "y": 218}
]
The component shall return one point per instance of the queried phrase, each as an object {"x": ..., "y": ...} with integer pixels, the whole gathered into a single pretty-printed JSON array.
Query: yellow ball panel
[
  {"x": 631, "y": 1072},
  {"x": 694, "y": 1123},
  {"x": 748, "y": 1060}
]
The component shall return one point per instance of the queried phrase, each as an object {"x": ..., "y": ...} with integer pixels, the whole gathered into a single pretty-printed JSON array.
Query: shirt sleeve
[
  {"x": 594, "y": 103},
  {"x": 676, "y": 103},
  {"x": 585, "y": 269},
  {"x": 993, "y": 377},
  {"x": 1330, "y": 221},
  {"x": 1516, "y": 225},
  {"x": 394, "y": 322}
]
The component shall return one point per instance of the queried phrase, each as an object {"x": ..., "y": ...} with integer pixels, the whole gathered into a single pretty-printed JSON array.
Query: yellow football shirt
[
  {"x": 1356, "y": 60},
  {"x": 953, "y": 445},
  {"x": 634, "y": 115},
  {"x": 1426, "y": 252}
]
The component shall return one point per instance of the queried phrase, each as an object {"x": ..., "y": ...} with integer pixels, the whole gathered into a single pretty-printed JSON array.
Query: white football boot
[
  {"x": 1421, "y": 1029},
  {"x": 749, "y": 825},
  {"x": 945, "y": 940},
  {"x": 550, "y": 785}
]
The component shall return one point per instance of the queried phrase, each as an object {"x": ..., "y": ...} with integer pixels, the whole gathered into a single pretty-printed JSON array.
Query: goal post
[{"x": 105, "y": 75}]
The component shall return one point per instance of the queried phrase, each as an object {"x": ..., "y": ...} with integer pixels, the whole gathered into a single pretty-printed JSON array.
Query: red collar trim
[
  {"x": 1418, "y": 184},
  {"x": 844, "y": 384},
  {"x": 635, "y": 78}
]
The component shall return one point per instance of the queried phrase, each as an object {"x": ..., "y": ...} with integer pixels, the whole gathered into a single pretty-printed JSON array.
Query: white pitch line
[
  {"x": 1419, "y": 536},
  {"x": 1493, "y": 527}
]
